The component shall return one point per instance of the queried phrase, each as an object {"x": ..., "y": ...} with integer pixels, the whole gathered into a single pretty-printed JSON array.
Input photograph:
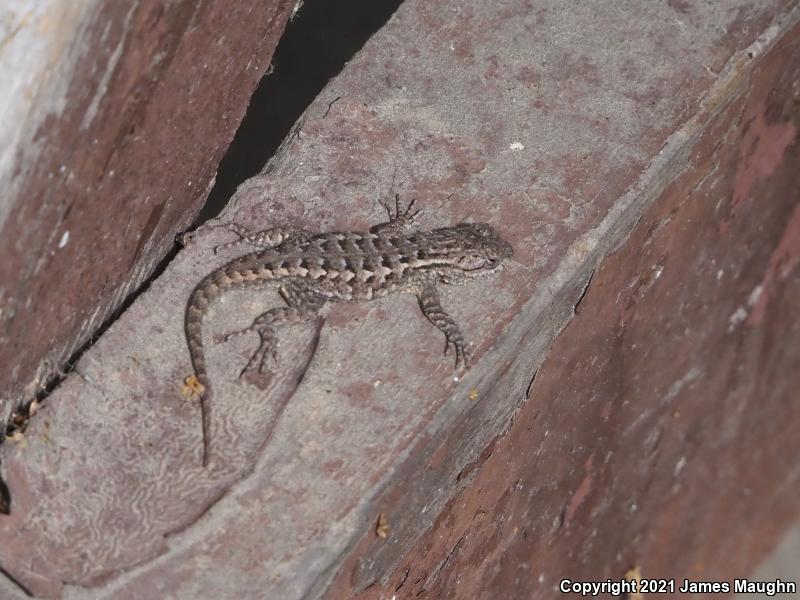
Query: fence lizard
[{"x": 315, "y": 268}]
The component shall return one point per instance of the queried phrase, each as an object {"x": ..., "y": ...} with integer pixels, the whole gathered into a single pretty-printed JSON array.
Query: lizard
[{"x": 313, "y": 269}]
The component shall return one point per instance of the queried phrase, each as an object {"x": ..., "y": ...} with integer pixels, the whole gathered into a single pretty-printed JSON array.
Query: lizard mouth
[{"x": 487, "y": 267}]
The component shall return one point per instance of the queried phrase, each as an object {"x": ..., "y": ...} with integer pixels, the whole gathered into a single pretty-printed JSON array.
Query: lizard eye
[
  {"x": 481, "y": 229},
  {"x": 472, "y": 261}
]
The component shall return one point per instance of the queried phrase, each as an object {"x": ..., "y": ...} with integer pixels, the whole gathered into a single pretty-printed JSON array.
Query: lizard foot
[
  {"x": 264, "y": 239},
  {"x": 405, "y": 216},
  {"x": 399, "y": 219},
  {"x": 262, "y": 325},
  {"x": 241, "y": 231},
  {"x": 268, "y": 348},
  {"x": 461, "y": 348}
]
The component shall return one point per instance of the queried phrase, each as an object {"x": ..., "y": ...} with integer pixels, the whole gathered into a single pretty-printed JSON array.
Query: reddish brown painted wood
[{"x": 156, "y": 94}]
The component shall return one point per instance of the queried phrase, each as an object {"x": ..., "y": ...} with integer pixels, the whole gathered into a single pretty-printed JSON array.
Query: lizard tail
[
  {"x": 196, "y": 309},
  {"x": 237, "y": 273}
]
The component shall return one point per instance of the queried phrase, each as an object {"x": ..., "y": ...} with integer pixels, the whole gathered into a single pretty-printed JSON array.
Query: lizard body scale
[{"x": 315, "y": 268}]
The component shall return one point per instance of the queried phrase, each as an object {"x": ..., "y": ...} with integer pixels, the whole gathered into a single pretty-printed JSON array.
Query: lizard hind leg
[
  {"x": 428, "y": 297},
  {"x": 304, "y": 305}
]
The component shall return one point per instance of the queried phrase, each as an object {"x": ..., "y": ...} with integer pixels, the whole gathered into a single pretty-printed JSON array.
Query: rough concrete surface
[
  {"x": 661, "y": 430},
  {"x": 781, "y": 564},
  {"x": 558, "y": 126},
  {"x": 115, "y": 117}
]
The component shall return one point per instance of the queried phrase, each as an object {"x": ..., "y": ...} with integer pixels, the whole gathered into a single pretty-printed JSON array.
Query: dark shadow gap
[{"x": 316, "y": 45}]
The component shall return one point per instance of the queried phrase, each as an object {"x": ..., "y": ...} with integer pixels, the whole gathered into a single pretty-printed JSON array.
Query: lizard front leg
[
  {"x": 304, "y": 305},
  {"x": 399, "y": 221},
  {"x": 428, "y": 297},
  {"x": 264, "y": 239}
]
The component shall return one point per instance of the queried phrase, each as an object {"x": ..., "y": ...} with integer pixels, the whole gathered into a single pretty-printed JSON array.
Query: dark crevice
[{"x": 322, "y": 37}]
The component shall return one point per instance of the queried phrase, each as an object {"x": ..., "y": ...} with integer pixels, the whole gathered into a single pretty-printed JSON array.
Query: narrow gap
[
  {"x": 16, "y": 582},
  {"x": 576, "y": 307},
  {"x": 323, "y": 36},
  {"x": 317, "y": 43}
]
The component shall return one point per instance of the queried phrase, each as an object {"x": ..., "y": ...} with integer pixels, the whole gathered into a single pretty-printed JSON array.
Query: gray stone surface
[{"x": 558, "y": 126}]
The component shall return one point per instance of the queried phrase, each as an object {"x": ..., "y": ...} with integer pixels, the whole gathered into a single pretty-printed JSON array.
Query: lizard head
[{"x": 473, "y": 249}]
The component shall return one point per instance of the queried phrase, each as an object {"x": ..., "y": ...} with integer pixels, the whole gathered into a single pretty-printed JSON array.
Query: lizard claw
[
  {"x": 268, "y": 346},
  {"x": 399, "y": 218},
  {"x": 462, "y": 352},
  {"x": 258, "y": 361},
  {"x": 405, "y": 215}
]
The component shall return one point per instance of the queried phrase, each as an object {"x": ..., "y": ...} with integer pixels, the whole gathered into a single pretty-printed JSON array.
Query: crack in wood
[{"x": 576, "y": 307}]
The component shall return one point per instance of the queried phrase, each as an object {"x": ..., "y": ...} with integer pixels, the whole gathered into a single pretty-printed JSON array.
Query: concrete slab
[{"x": 558, "y": 126}]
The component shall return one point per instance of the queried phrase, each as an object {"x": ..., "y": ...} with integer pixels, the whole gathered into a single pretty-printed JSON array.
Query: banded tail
[
  {"x": 196, "y": 309},
  {"x": 239, "y": 272}
]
